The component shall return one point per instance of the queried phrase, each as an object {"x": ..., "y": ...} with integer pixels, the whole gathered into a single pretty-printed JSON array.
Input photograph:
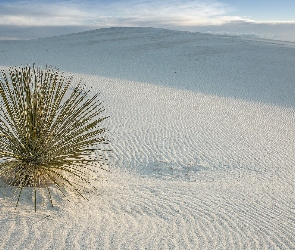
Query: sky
[{"x": 272, "y": 19}]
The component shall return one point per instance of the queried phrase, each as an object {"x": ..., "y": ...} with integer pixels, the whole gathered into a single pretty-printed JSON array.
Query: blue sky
[{"x": 25, "y": 19}]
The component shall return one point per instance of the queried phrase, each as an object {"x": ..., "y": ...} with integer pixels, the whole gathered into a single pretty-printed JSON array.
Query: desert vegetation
[{"x": 50, "y": 131}]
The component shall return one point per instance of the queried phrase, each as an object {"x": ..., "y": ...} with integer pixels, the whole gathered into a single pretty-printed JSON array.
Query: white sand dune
[{"x": 202, "y": 158}]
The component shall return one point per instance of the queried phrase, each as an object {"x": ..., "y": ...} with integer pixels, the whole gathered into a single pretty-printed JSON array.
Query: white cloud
[
  {"x": 126, "y": 13},
  {"x": 155, "y": 13},
  {"x": 42, "y": 14},
  {"x": 269, "y": 30},
  {"x": 119, "y": 13},
  {"x": 191, "y": 15}
]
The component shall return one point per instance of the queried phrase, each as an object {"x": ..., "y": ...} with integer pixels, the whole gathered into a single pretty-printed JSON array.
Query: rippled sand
[{"x": 189, "y": 170}]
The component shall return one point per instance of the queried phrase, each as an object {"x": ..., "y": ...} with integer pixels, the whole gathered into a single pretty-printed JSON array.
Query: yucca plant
[{"x": 49, "y": 131}]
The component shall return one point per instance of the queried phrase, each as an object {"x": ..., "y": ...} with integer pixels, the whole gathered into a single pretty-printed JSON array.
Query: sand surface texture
[{"x": 202, "y": 130}]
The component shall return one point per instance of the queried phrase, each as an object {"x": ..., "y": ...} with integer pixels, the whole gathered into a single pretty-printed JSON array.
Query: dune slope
[{"x": 189, "y": 169}]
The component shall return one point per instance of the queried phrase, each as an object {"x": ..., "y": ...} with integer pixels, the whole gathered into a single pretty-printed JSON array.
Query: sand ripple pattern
[
  {"x": 189, "y": 171},
  {"x": 146, "y": 213}
]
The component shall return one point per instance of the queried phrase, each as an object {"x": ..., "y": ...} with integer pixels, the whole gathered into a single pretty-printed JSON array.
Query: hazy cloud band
[{"x": 192, "y": 15}]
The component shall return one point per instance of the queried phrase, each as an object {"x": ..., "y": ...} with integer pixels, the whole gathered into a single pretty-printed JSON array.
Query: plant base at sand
[{"x": 50, "y": 132}]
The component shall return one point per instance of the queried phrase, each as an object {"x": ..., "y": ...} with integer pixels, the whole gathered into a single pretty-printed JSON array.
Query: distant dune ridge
[{"x": 202, "y": 133}]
